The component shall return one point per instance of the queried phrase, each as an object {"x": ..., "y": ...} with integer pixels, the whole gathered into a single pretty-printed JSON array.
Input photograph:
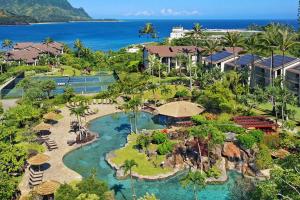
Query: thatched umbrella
[
  {"x": 50, "y": 116},
  {"x": 38, "y": 160},
  {"x": 42, "y": 127},
  {"x": 47, "y": 188},
  {"x": 180, "y": 109}
]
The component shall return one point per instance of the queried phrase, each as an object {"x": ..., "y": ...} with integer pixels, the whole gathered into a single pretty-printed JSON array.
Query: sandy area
[{"x": 60, "y": 134}]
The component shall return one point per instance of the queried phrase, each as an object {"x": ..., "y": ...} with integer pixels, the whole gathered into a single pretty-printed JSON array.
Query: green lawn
[
  {"x": 145, "y": 167},
  {"x": 267, "y": 108}
]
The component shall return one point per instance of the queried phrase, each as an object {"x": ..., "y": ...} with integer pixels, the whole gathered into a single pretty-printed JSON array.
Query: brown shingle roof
[
  {"x": 22, "y": 45},
  {"x": 26, "y": 55},
  {"x": 171, "y": 51}
]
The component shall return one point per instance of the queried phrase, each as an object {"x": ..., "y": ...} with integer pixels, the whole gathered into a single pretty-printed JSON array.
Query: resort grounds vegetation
[
  {"x": 88, "y": 188},
  {"x": 147, "y": 165}
]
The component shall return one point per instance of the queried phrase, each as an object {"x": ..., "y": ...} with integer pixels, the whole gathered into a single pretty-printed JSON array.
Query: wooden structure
[{"x": 256, "y": 123}]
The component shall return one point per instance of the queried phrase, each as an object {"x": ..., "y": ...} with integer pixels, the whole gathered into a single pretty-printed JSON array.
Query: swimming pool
[
  {"x": 80, "y": 84},
  {"x": 113, "y": 131}
]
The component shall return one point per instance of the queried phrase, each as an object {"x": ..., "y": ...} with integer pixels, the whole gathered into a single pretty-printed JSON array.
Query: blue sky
[{"x": 190, "y": 9}]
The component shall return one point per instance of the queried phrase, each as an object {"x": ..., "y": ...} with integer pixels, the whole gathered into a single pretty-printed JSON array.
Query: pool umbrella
[
  {"x": 180, "y": 109},
  {"x": 47, "y": 188},
  {"x": 42, "y": 127},
  {"x": 38, "y": 160},
  {"x": 50, "y": 116}
]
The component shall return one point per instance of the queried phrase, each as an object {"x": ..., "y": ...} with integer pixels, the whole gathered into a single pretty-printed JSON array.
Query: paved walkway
[{"x": 60, "y": 134}]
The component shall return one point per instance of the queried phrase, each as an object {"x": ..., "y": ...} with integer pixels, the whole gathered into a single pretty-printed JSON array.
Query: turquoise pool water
[{"x": 113, "y": 130}]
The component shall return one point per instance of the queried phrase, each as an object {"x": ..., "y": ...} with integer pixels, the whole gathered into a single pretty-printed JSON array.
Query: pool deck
[{"x": 60, "y": 134}]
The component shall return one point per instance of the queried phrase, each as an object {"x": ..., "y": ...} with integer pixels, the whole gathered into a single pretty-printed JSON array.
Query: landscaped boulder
[{"x": 231, "y": 151}]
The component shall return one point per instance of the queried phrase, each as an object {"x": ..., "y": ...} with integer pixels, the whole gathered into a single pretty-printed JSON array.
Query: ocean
[{"x": 115, "y": 35}]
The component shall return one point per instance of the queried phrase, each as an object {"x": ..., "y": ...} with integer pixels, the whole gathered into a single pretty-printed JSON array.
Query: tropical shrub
[
  {"x": 231, "y": 128},
  {"x": 1, "y": 109},
  {"x": 214, "y": 172},
  {"x": 66, "y": 192},
  {"x": 165, "y": 148},
  {"x": 182, "y": 93},
  {"x": 7, "y": 186},
  {"x": 246, "y": 140},
  {"x": 257, "y": 134},
  {"x": 272, "y": 140},
  {"x": 263, "y": 158},
  {"x": 159, "y": 138}
]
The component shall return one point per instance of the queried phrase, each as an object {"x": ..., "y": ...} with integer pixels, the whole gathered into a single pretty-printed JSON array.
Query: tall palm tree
[
  {"x": 269, "y": 43},
  {"x": 7, "y": 44},
  {"x": 181, "y": 61},
  {"x": 78, "y": 45},
  {"x": 133, "y": 106},
  {"x": 286, "y": 40},
  {"x": 127, "y": 166},
  {"x": 210, "y": 47},
  {"x": 252, "y": 46},
  {"x": 196, "y": 180},
  {"x": 233, "y": 40},
  {"x": 152, "y": 59},
  {"x": 187, "y": 52},
  {"x": 199, "y": 135},
  {"x": 196, "y": 34}
]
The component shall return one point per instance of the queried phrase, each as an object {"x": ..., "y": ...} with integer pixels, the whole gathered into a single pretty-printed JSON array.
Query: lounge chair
[
  {"x": 33, "y": 172},
  {"x": 94, "y": 101}
]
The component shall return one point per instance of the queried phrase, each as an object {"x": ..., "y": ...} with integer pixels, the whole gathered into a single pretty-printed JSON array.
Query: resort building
[
  {"x": 293, "y": 80},
  {"x": 264, "y": 72},
  {"x": 178, "y": 32},
  {"x": 219, "y": 59},
  {"x": 243, "y": 63},
  {"x": 29, "y": 53},
  {"x": 168, "y": 55}
]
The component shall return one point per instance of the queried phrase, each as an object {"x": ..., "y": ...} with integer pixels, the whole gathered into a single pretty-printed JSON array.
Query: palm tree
[
  {"x": 79, "y": 47},
  {"x": 148, "y": 30},
  {"x": 233, "y": 40},
  {"x": 210, "y": 47},
  {"x": 48, "y": 40},
  {"x": 128, "y": 165},
  {"x": 133, "y": 106},
  {"x": 152, "y": 59},
  {"x": 252, "y": 47},
  {"x": 286, "y": 40},
  {"x": 269, "y": 43},
  {"x": 199, "y": 136},
  {"x": 188, "y": 52},
  {"x": 7, "y": 44},
  {"x": 195, "y": 180},
  {"x": 78, "y": 112},
  {"x": 196, "y": 34},
  {"x": 181, "y": 61}
]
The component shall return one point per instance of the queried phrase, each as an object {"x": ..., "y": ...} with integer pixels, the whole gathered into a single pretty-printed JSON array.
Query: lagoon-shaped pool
[{"x": 113, "y": 130}]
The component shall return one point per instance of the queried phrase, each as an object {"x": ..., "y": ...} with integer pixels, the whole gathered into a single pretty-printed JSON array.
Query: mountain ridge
[{"x": 44, "y": 10}]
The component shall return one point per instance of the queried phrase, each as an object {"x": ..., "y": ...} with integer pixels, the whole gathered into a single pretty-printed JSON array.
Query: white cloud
[
  {"x": 141, "y": 13},
  {"x": 172, "y": 12}
]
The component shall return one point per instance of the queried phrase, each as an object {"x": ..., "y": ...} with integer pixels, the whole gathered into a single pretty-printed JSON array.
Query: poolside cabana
[
  {"x": 179, "y": 112},
  {"x": 42, "y": 127},
  {"x": 47, "y": 189},
  {"x": 38, "y": 160},
  {"x": 50, "y": 117}
]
